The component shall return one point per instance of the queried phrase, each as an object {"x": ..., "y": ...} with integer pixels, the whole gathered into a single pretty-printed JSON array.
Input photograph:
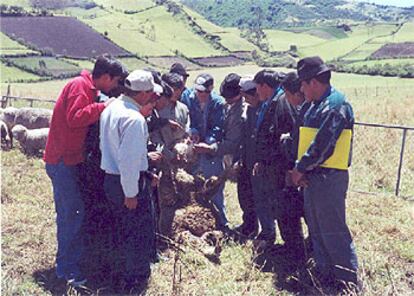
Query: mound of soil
[{"x": 395, "y": 50}]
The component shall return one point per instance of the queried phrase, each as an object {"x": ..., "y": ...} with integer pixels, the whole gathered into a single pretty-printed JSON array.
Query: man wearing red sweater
[{"x": 74, "y": 112}]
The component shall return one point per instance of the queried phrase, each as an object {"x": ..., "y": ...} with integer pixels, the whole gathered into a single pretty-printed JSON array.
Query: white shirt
[{"x": 123, "y": 142}]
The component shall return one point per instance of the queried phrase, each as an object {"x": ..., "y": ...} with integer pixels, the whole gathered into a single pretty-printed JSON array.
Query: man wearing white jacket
[{"x": 123, "y": 143}]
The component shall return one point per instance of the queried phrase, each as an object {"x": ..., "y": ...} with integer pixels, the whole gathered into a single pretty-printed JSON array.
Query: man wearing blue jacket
[
  {"x": 207, "y": 115},
  {"x": 325, "y": 189}
]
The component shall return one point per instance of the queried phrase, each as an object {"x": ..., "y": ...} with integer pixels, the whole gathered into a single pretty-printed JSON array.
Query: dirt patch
[
  {"x": 221, "y": 61},
  {"x": 166, "y": 62},
  {"x": 62, "y": 35},
  {"x": 395, "y": 50}
]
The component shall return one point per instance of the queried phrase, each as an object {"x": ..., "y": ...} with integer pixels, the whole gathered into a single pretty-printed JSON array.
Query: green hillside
[
  {"x": 278, "y": 14},
  {"x": 10, "y": 47},
  {"x": 153, "y": 32}
]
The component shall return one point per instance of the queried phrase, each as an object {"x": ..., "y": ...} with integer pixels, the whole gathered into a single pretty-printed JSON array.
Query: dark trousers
[
  {"x": 134, "y": 231},
  {"x": 274, "y": 203},
  {"x": 246, "y": 199},
  {"x": 334, "y": 251}
]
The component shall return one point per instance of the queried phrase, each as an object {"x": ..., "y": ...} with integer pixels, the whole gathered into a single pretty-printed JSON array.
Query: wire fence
[{"x": 382, "y": 160}]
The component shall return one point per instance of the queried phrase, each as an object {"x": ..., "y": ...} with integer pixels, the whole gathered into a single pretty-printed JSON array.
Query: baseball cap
[
  {"x": 204, "y": 82},
  {"x": 141, "y": 80},
  {"x": 230, "y": 87},
  {"x": 179, "y": 69}
]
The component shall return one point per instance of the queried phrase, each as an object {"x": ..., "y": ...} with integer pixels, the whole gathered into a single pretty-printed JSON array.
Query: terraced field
[
  {"x": 338, "y": 48},
  {"x": 123, "y": 5},
  {"x": 153, "y": 32},
  {"x": 10, "y": 47},
  {"x": 282, "y": 40},
  {"x": 12, "y": 74},
  {"x": 45, "y": 66},
  {"x": 62, "y": 35}
]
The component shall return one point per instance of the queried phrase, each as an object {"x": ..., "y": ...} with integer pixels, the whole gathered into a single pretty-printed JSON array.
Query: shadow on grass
[{"x": 100, "y": 262}]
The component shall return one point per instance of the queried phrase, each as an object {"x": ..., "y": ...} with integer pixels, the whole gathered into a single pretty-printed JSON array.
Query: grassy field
[
  {"x": 126, "y": 4},
  {"x": 392, "y": 62},
  {"x": 282, "y": 40},
  {"x": 11, "y": 47},
  {"x": 9, "y": 74},
  {"x": 153, "y": 32},
  {"x": 334, "y": 49},
  {"x": 49, "y": 66},
  {"x": 381, "y": 226}
]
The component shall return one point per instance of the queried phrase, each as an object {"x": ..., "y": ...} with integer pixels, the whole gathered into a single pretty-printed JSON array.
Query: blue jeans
[
  {"x": 70, "y": 212},
  {"x": 210, "y": 166},
  {"x": 134, "y": 231},
  {"x": 325, "y": 216}
]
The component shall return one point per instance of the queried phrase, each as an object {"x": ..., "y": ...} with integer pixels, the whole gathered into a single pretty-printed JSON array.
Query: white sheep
[
  {"x": 31, "y": 118},
  {"x": 6, "y": 135},
  {"x": 31, "y": 140}
]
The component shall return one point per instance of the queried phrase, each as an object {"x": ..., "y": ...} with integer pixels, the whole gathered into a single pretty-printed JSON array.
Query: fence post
[{"x": 397, "y": 186}]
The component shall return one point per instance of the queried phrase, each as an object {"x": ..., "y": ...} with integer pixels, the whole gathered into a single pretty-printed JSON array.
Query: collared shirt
[
  {"x": 74, "y": 112},
  {"x": 233, "y": 129},
  {"x": 264, "y": 106},
  {"x": 167, "y": 136},
  {"x": 207, "y": 122},
  {"x": 330, "y": 115},
  {"x": 123, "y": 143}
]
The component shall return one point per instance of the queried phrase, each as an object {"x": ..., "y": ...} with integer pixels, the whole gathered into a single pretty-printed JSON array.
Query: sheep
[
  {"x": 31, "y": 118},
  {"x": 31, "y": 140},
  {"x": 6, "y": 135}
]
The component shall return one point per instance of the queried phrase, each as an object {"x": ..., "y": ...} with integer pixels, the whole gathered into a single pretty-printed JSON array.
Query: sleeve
[
  {"x": 324, "y": 143},
  {"x": 132, "y": 154},
  {"x": 215, "y": 130},
  {"x": 81, "y": 112},
  {"x": 232, "y": 137}
]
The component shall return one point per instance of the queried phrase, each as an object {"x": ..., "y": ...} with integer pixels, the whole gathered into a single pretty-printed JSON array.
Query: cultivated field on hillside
[
  {"x": 11, "y": 47},
  {"x": 61, "y": 35}
]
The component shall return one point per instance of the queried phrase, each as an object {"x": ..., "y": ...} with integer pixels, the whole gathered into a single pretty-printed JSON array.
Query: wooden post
[{"x": 397, "y": 186}]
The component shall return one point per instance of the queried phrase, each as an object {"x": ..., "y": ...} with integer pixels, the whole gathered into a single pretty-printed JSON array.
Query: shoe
[
  {"x": 77, "y": 282},
  {"x": 246, "y": 230},
  {"x": 267, "y": 237}
]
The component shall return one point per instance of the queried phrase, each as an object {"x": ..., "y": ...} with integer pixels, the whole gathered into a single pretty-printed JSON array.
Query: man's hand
[
  {"x": 195, "y": 138},
  {"x": 109, "y": 101},
  {"x": 155, "y": 180},
  {"x": 175, "y": 125},
  {"x": 131, "y": 203},
  {"x": 203, "y": 148},
  {"x": 257, "y": 168},
  {"x": 155, "y": 156},
  {"x": 298, "y": 178}
]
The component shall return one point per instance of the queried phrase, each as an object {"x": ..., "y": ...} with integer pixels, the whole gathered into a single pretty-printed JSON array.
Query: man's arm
[
  {"x": 216, "y": 125},
  {"x": 82, "y": 111},
  {"x": 132, "y": 153},
  {"x": 325, "y": 140}
]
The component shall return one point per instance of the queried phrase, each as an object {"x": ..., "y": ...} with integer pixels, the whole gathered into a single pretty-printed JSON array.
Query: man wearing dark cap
[
  {"x": 179, "y": 69},
  {"x": 325, "y": 193},
  {"x": 274, "y": 119},
  {"x": 233, "y": 122},
  {"x": 207, "y": 113}
]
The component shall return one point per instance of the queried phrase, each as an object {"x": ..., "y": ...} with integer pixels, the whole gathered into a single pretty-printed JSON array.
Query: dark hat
[
  {"x": 204, "y": 82},
  {"x": 291, "y": 82},
  {"x": 179, "y": 69},
  {"x": 173, "y": 79},
  {"x": 311, "y": 67},
  {"x": 230, "y": 87}
]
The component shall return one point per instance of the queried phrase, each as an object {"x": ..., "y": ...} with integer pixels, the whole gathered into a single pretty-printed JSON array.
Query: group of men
[{"x": 253, "y": 124}]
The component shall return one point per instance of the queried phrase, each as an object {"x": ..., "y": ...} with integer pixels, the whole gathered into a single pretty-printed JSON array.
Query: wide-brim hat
[{"x": 311, "y": 67}]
